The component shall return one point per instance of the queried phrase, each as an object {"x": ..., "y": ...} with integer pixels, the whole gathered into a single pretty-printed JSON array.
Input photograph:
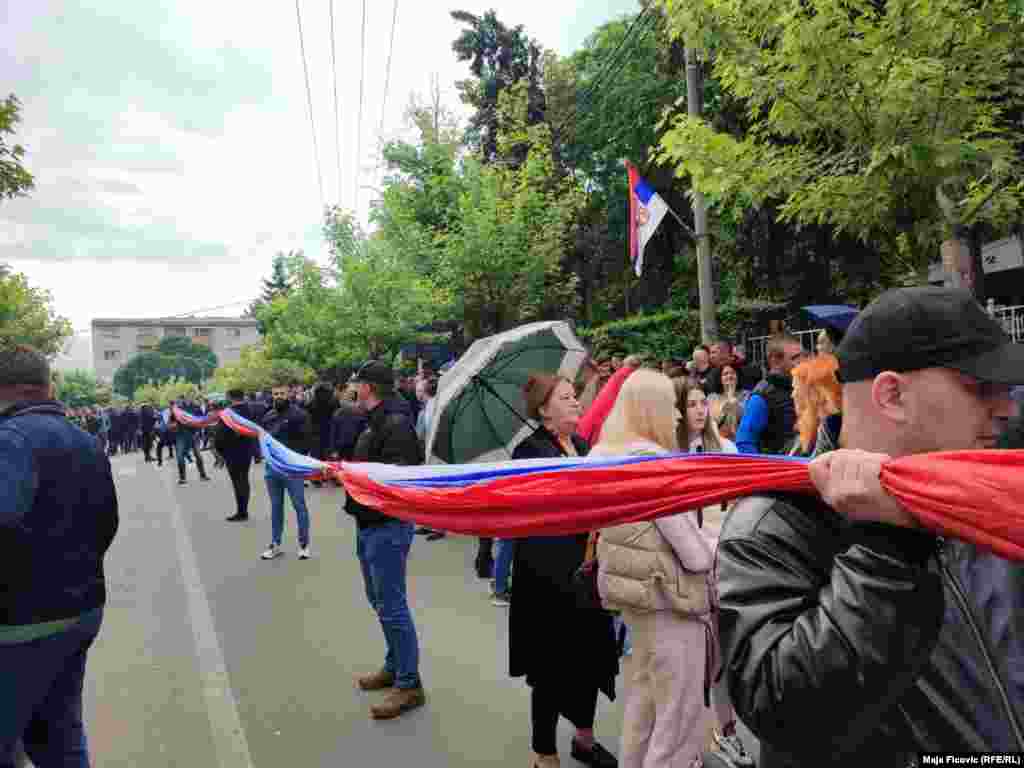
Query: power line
[
  {"x": 309, "y": 100},
  {"x": 337, "y": 129},
  {"x": 387, "y": 70},
  {"x": 359, "y": 122},
  {"x": 615, "y": 62}
]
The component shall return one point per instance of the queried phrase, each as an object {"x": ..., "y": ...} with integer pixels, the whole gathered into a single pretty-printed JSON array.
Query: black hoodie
[{"x": 389, "y": 438}]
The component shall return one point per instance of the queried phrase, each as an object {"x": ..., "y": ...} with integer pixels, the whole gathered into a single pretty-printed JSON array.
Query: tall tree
[
  {"x": 15, "y": 180},
  {"x": 27, "y": 315},
  {"x": 174, "y": 358},
  {"x": 277, "y": 284},
  {"x": 863, "y": 115},
  {"x": 499, "y": 56},
  {"x": 77, "y": 388}
]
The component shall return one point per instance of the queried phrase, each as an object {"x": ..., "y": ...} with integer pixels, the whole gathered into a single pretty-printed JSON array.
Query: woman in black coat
[{"x": 566, "y": 651}]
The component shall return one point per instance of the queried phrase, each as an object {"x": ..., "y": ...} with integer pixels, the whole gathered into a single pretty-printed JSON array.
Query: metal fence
[
  {"x": 757, "y": 346},
  {"x": 1011, "y": 318}
]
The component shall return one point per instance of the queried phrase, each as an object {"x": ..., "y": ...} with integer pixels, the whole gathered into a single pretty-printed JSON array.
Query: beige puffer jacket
[{"x": 661, "y": 565}]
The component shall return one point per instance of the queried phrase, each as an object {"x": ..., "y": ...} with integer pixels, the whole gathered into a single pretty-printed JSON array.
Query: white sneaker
[
  {"x": 304, "y": 553},
  {"x": 272, "y": 551}
]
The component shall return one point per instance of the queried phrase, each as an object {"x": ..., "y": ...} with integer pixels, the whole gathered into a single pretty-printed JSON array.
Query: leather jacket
[{"x": 856, "y": 644}]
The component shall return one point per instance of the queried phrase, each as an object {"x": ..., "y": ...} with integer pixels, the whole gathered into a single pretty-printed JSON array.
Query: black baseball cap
[
  {"x": 910, "y": 329},
  {"x": 375, "y": 372}
]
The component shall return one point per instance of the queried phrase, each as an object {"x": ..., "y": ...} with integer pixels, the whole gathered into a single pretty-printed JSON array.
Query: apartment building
[{"x": 116, "y": 341}]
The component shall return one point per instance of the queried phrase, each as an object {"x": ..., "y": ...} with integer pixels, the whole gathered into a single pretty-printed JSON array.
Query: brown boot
[
  {"x": 398, "y": 701},
  {"x": 378, "y": 681},
  {"x": 545, "y": 761}
]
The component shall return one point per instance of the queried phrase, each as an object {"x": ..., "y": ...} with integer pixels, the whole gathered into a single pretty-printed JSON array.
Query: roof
[{"x": 234, "y": 322}]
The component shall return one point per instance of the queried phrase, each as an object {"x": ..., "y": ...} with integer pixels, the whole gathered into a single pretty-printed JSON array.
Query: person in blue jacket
[
  {"x": 769, "y": 418},
  {"x": 58, "y": 517}
]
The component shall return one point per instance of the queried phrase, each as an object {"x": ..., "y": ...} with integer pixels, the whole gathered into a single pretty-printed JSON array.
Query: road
[{"x": 212, "y": 658}]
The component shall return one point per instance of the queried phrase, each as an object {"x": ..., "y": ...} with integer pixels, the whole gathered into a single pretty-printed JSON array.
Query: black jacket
[
  {"x": 290, "y": 427},
  {"x": 777, "y": 391},
  {"x": 147, "y": 418},
  {"x": 389, "y": 438},
  {"x": 855, "y": 630},
  {"x": 58, "y": 517},
  {"x": 552, "y": 638},
  {"x": 347, "y": 425},
  {"x": 236, "y": 448}
]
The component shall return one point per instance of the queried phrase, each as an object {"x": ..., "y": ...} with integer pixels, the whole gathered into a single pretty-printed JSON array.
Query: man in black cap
[
  {"x": 384, "y": 542},
  {"x": 831, "y": 615}
]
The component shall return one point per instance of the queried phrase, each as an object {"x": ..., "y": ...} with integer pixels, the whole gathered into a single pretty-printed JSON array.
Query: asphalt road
[{"x": 212, "y": 658}]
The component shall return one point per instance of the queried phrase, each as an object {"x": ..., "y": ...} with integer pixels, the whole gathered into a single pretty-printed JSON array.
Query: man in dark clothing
[
  {"x": 321, "y": 408},
  {"x": 258, "y": 408},
  {"x": 769, "y": 417},
  {"x": 290, "y": 425},
  {"x": 58, "y": 517},
  {"x": 347, "y": 424},
  {"x": 235, "y": 452},
  {"x": 147, "y": 422},
  {"x": 845, "y": 614},
  {"x": 185, "y": 443},
  {"x": 383, "y": 542}
]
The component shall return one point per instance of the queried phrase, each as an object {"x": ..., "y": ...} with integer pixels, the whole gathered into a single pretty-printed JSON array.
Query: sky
[{"x": 171, "y": 142}]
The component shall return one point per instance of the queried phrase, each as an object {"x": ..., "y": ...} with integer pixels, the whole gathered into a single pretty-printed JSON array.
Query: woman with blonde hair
[
  {"x": 817, "y": 394},
  {"x": 657, "y": 574}
]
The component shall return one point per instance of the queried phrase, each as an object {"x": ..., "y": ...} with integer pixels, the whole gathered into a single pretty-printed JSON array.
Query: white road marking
[{"x": 221, "y": 705}]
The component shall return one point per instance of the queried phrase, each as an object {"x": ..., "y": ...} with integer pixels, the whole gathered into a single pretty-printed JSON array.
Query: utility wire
[
  {"x": 615, "y": 62},
  {"x": 359, "y": 122},
  {"x": 387, "y": 71},
  {"x": 337, "y": 129},
  {"x": 309, "y": 100}
]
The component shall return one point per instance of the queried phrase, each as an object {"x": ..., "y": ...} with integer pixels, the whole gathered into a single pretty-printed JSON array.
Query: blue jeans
[
  {"x": 184, "y": 445},
  {"x": 503, "y": 564},
  {"x": 41, "y": 697},
  {"x": 383, "y": 551},
  {"x": 276, "y": 486}
]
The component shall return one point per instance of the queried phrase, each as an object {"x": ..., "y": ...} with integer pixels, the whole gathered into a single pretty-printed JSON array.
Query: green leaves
[
  {"x": 856, "y": 112},
  {"x": 27, "y": 315},
  {"x": 15, "y": 180}
]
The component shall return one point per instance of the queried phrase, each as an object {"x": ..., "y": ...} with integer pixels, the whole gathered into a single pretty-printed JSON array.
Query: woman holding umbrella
[{"x": 566, "y": 651}]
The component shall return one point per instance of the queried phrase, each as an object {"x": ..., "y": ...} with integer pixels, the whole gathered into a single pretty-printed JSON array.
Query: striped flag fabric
[{"x": 646, "y": 211}]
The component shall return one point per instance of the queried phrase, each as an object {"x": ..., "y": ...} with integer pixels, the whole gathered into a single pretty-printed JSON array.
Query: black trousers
[
  {"x": 147, "y": 444},
  {"x": 166, "y": 441},
  {"x": 238, "y": 471},
  {"x": 553, "y": 699}
]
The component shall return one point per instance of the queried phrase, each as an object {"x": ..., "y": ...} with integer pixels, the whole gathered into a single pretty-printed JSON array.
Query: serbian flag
[{"x": 646, "y": 210}]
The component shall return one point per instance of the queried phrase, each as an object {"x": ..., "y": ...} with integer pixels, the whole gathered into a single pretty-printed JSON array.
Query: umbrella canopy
[
  {"x": 838, "y": 316},
  {"x": 480, "y": 414}
]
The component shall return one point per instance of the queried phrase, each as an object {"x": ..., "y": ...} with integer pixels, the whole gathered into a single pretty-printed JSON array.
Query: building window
[
  {"x": 111, "y": 333},
  {"x": 235, "y": 333},
  {"x": 201, "y": 332},
  {"x": 175, "y": 332},
  {"x": 112, "y": 354}
]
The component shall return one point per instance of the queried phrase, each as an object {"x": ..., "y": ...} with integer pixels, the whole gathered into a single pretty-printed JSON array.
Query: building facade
[{"x": 116, "y": 341}]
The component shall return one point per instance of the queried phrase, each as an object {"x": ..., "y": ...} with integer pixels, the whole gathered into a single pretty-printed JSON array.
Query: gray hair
[{"x": 23, "y": 366}]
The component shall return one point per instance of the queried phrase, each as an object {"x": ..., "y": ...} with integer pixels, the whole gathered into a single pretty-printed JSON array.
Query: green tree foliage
[
  {"x": 77, "y": 388},
  {"x": 499, "y": 57},
  {"x": 278, "y": 283},
  {"x": 256, "y": 371},
  {"x": 861, "y": 115},
  {"x": 27, "y": 315},
  {"x": 161, "y": 394},
  {"x": 175, "y": 357},
  {"x": 15, "y": 181}
]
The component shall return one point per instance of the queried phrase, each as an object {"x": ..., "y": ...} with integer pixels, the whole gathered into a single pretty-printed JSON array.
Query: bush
[{"x": 671, "y": 334}]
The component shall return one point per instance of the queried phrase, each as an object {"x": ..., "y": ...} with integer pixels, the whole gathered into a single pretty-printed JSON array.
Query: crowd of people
[{"x": 835, "y": 628}]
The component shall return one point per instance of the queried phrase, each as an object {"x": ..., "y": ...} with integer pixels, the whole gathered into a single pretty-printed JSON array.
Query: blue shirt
[{"x": 755, "y": 420}]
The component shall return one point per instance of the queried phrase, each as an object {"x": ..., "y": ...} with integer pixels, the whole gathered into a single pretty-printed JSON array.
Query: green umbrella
[{"x": 479, "y": 413}]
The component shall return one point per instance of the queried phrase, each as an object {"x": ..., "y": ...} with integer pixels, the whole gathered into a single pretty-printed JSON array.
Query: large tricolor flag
[{"x": 646, "y": 210}]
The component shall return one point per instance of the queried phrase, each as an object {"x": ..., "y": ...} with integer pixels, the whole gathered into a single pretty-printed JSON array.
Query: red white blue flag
[{"x": 646, "y": 210}]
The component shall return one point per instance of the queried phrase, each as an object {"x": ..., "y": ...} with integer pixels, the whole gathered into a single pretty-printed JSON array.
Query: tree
[
  {"x": 175, "y": 357},
  {"x": 256, "y": 371},
  {"x": 860, "y": 116},
  {"x": 15, "y": 181},
  {"x": 77, "y": 388},
  {"x": 278, "y": 285},
  {"x": 499, "y": 56},
  {"x": 27, "y": 316}
]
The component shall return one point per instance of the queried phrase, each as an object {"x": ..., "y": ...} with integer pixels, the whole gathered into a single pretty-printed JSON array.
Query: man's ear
[{"x": 890, "y": 394}]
